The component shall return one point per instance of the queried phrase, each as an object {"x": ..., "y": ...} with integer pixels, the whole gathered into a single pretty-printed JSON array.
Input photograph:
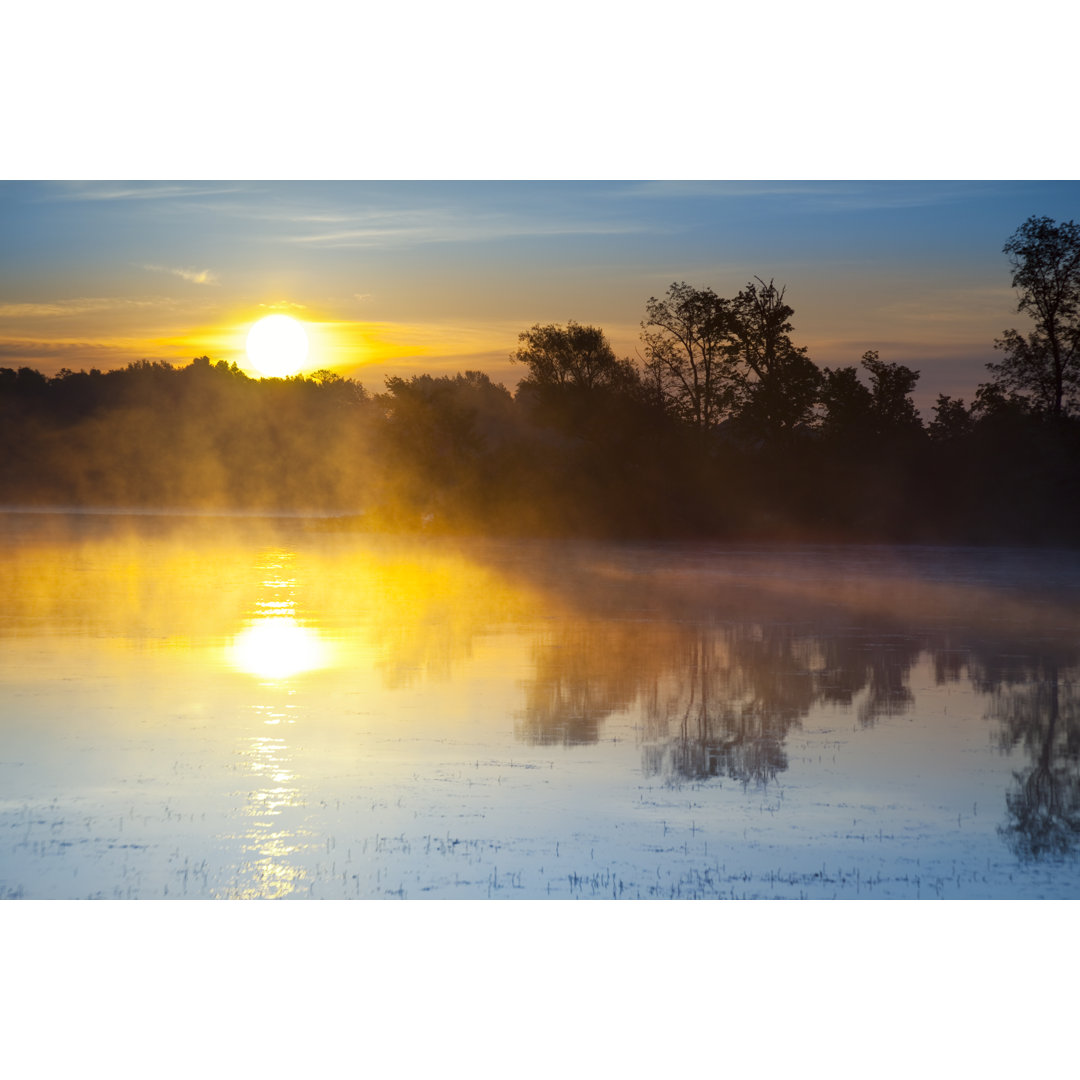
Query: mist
[{"x": 598, "y": 459}]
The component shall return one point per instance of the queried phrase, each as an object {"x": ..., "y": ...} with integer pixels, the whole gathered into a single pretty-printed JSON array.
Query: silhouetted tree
[
  {"x": 1044, "y": 366},
  {"x": 441, "y": 433},
  {"x": 847, "y": 404},
  {"x": 951, "y": 420},
  {"x": 687, "y": 339},
  {"x": 779, "y": 384},
  {"x": 575, "y": 382},
  {"x": 571, "y": 355},
  {"x": 891, "y": 385}
]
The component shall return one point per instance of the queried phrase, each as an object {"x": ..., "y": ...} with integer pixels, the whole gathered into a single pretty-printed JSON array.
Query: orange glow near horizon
[{"x": 366, "y": 350}]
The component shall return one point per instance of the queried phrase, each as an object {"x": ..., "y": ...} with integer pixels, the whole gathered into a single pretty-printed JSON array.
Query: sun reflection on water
[
  {"x": 274, "y": 646},
  {"x": 278, "y": 647},
  {"x": 269, "y": 845}
]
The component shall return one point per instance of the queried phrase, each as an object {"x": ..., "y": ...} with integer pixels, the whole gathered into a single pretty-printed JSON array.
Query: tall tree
[
  {"x": 687, "y": 339},
  {"x": 1043, "y": 367},
  {"x": 780, "y": 385}
]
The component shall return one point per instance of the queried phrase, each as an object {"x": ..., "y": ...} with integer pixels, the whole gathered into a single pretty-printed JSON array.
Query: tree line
[{"x": 722, "y": 427}]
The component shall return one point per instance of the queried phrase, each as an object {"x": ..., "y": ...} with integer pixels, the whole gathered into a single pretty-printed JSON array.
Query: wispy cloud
[
  {"x": 953, "y": 309},
  {"x": 822, "y": 195},
  {"x": 73, "y": 348},
  {"x": 196, "y": 277},
  {"x": 361, "y": 216},
  {"x": 440, "y": 229},
  {"x": 715, "y": 189},
  {"x": 77, "y": 306},
  {"x": 103, "y": 192},
  {"x": 285, "y": 305}
]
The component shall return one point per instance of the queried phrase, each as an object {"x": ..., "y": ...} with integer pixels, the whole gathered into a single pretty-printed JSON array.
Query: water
[{"x": 232, "y": 708}]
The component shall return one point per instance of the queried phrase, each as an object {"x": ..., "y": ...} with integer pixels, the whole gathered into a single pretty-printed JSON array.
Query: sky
[{"x": 424, "y": 276}]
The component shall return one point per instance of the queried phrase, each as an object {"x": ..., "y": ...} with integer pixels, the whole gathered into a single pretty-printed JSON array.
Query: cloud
[
  {"x": 729, "y": 189},
  {"x": 21, "y": 349},
  {"x": 285, "y": 305},
  {"x": 33, "y": 310},
  {"x": 97, "y": 192},
  {"x": 951, "y": 313},
  {"x": 360, "y": 215},
  {"x": 438, "y": 229},
  {"x": 196, "y": 277},
  {"x": 78, "y": 306},
  {"x": 817, "y": 195},
  {"x": 441, "y": 221}
]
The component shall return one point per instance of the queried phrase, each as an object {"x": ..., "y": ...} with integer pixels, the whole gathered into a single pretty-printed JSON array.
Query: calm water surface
[{"x": 229, "y": 708}]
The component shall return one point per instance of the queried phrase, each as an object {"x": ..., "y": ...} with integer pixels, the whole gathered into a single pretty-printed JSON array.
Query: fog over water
[{"x": 222, "y": 706}]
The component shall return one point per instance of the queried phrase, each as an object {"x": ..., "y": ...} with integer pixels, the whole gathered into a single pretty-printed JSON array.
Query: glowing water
[{"x": 229, "y": 709}]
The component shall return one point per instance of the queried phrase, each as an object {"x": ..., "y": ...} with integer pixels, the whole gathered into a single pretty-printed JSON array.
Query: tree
[
  {"x": 576, "y": 385},
  {"x": 951, "y": 420},
  {"x": 848, "y": 403},
  {"x": 709, "y": 360},
  {"x": 1043, "y": 367},
  {"x": 780, "y": 385},
  {"x": 884, "y": 410},
  {"x": 687, "y": 338},
  {"x": 891, "y": 385},
  {"x": 571, "y": 355}
]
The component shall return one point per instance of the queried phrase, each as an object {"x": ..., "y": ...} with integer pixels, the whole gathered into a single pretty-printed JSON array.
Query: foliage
[
  {"x": 951, "y": 420},
  {"x": 891, "y": 385},
  {"x": 687, "y": 339},
  {"x": 204, "y": 436},
  {"x": 847, "y": 404},
  {"x": 1042, "y": 368},
  {"x": 779, "y": 384},
  {"x": 712, "y": 361},
  {"x": 571, "y": 355}
]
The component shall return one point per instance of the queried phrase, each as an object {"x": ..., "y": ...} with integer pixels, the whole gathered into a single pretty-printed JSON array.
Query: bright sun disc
[{"x": 277, "y": 346}]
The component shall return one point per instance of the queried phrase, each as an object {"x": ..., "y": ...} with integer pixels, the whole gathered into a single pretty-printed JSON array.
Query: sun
[{"x": 277, "y": 346}]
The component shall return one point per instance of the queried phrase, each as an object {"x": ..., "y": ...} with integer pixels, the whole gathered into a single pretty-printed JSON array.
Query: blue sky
[{"x": 402, "y": 277}]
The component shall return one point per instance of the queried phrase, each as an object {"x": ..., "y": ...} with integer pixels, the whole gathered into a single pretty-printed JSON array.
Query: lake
[{"x": 245, "y": 708}]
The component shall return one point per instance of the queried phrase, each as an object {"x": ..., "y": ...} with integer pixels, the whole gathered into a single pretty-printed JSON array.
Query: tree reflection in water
[
  {"x": 584, "y": 673},
  {"x": 730, "y": 707},
  {"x": 726, "y": 709},
  {"x": 715, "y": 700},
  {"x": 1044, "y": 807},
  {"x": 719, "y": 701},
  {"x": 731, "y": 657}
]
